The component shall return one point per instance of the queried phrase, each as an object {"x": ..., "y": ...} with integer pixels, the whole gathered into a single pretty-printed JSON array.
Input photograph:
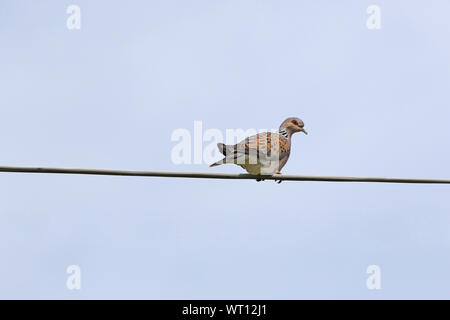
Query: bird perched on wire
[{"x": 265, "y": 153}]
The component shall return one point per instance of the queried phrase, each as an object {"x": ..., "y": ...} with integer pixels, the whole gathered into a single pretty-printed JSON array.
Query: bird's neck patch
[{"x": 284, "y": 133}]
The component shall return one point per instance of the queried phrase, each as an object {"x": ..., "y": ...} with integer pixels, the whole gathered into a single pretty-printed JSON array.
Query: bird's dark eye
[{"x": 295, "y": 122}]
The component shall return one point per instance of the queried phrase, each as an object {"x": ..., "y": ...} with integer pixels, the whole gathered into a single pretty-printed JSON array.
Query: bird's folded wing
[{"x": 264, "y": 145}]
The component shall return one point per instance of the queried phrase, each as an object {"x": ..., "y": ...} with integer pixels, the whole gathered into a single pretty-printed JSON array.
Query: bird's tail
[
  {"x": 218, "y": 163},
  {"x": 224, "y": 149}
]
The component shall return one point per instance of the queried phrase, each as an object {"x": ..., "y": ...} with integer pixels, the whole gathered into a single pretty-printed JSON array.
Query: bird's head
[{"x": 293, "y": 125}]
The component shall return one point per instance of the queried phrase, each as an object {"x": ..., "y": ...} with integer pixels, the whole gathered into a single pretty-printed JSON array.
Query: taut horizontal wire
[{"x": 207, "y": 175}]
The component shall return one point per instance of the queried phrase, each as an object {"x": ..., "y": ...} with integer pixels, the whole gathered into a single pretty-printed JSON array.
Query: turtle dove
[{"x": 265, "y": 153}]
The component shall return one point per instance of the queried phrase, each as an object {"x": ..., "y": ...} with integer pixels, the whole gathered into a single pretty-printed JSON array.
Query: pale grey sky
[{"x": 375, "y": 102}]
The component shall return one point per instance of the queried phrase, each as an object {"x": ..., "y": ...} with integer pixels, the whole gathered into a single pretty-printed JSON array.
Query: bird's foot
[
  {"x": 278, "y": 181},
  {"x": 259, "y": 179}
]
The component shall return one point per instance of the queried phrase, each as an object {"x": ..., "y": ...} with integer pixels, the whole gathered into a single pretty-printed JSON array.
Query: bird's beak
[{"x": 304, "y": 131}]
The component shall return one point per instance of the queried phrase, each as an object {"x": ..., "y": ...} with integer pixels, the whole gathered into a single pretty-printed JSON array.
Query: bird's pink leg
[{"x": 278, "y": 181}]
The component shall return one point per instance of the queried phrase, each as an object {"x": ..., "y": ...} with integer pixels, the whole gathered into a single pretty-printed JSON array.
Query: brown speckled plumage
[{"x": 264, "y": 153}]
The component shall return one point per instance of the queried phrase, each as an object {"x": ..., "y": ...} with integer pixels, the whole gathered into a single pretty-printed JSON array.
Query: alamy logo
[
  {"x": 74, "y": 20},
  {"x": 201, "y": 146},
  {"x": 373, "y": 282},
  {"x": 74, "y": 280},
  {"x": 374, "y": 20}
]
